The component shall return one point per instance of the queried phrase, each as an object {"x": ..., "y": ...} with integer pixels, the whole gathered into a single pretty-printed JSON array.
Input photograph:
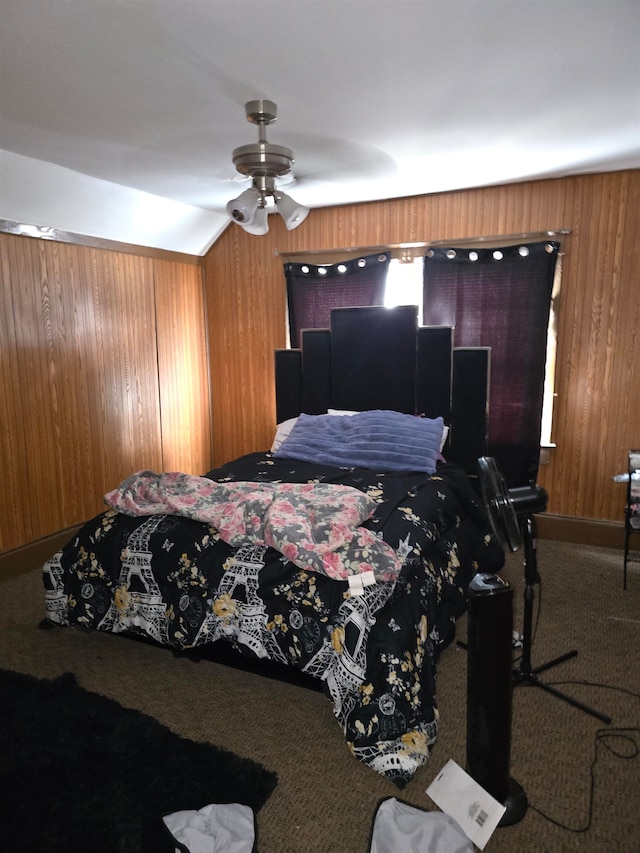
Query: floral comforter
[
  {"x": 315, "y": 525},
  {"x": 375, "y": 649}
]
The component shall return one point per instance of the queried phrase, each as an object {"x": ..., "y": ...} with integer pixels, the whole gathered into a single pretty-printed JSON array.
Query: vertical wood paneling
[
  {"x": 94, "y": 367},
  {"x": 86, "y": 370},
  {"x": 15, "y": 519},
  {"x": 597, "y": 414},
  {"x": 598, "y": 407},
  {"x": 243, "y": 321},
  {"x": 182, "y": 369}
]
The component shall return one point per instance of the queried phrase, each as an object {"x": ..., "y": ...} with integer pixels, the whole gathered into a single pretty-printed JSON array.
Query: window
[
  {"x": 314, "y": 290},
  {"x": 396, "y": 277},
  {"x": 500, "y": 297},
  {"x": 404, "y": 287},
  {"x": 404, "y": 283}
]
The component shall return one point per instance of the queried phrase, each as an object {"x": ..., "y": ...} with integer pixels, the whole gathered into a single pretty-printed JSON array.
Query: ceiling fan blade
[{"x": 336, "y": 160}]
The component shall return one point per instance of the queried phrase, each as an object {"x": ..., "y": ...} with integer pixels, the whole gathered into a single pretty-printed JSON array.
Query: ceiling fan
[{"x": 263, "y": 162}]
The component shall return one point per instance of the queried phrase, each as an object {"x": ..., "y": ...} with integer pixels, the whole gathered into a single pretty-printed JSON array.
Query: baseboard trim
[
  {"x": 34, "y": 555},
  {"x": 581, "y": 531}
]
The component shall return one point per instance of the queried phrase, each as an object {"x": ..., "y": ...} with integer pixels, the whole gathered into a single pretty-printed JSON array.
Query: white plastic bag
[
  {"x": 401, "y": 828},
  {"x": 225, "y": 828}
]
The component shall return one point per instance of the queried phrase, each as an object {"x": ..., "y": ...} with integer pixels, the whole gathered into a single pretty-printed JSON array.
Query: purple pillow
[{"x": 379, "y": 439}]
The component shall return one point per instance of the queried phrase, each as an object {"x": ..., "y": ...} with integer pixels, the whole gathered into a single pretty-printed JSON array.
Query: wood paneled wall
[
  {"x": 104, "y": 365},
  {"x": 597, "y": 412},
  {"x": 104, "y": 371},
  {"x": 183, "y": 368}
]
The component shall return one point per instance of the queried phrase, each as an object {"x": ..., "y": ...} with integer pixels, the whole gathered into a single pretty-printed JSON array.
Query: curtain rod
[{"x": 462, "y": 242}]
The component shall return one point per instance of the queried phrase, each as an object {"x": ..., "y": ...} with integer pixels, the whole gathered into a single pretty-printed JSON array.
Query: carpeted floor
[{"x": 325, "y": 798}]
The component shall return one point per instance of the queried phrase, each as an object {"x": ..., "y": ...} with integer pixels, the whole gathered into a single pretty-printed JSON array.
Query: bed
[{"x": 343, "y": 552}]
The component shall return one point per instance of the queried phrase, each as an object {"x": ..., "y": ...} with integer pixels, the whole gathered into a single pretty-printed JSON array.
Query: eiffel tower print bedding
[{"x": 364, "y": 599}]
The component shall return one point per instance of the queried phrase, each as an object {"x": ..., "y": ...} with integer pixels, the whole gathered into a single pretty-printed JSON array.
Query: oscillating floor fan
[
  {"x": 490, "y": 673},
  {"x": 511, "y": 513},
  {"x": 499, "y": 504}
]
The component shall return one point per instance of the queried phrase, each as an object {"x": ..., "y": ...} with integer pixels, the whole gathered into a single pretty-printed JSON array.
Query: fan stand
[{"x": 525, "y": 674}]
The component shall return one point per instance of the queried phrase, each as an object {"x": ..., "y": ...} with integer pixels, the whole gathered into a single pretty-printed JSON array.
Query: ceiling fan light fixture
[
  {"x": 243, "y": 209},
  {"x": 292, "y": 212},
  {"x": 259, "y": 225},
  {"x": 263, "y": 163}
]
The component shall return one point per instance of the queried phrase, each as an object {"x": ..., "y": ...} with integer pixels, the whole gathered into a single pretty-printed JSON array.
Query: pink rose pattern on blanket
[{"x": 317, "y": 526}]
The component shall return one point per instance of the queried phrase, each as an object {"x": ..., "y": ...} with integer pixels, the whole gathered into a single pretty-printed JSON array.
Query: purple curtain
[
  {"x": 500, "y": 298},
  {"x": 312, "y": 291}
]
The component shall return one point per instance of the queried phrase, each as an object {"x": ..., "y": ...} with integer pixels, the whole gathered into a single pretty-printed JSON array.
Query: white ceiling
[{"x": 143, "y": 99}]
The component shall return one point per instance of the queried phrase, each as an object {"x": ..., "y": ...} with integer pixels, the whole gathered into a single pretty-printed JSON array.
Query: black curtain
[
  {"x": 500, "y": 298},
  {"x": 313, "y": 291}
]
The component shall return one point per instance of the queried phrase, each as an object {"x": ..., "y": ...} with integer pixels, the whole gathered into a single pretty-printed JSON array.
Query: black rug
[{"x": 78, "y": 772}]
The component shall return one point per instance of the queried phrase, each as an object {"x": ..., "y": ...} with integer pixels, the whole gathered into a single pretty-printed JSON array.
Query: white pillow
[
  {"x": 445, "y": 433},
  {"x": 282, "y": 432}
]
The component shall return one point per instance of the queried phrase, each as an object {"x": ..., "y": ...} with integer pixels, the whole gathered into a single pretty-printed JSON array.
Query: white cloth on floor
[
  {"x": 216, "y": 828},
  {"x": 400, "y": 827}
]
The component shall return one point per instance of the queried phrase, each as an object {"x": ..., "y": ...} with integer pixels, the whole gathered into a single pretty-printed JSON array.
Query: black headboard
[{"x": 379, "y": 358}]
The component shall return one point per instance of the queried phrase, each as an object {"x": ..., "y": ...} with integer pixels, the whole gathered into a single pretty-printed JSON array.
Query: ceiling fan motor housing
[{"x": 262, "y": 159}]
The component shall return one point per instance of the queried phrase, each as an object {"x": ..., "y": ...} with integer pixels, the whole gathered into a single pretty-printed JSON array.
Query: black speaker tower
[{"x": 489, "y": 693}]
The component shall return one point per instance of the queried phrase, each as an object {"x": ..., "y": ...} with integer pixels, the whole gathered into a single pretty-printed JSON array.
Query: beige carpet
[{"x": 325, "y": 798}]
